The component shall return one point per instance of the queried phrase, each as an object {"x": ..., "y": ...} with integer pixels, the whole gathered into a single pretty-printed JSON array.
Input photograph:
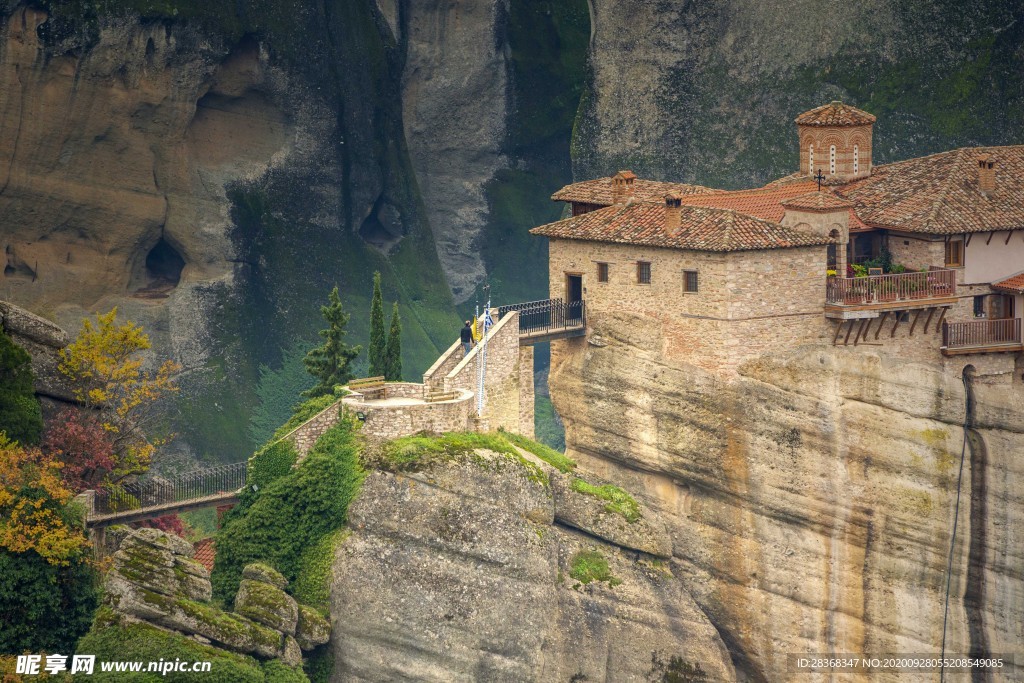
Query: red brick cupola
[{"x": 835, "y": 139}]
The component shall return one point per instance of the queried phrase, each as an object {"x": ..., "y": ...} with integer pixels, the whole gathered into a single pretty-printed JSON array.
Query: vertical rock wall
[{"x": 812, "y": 498}]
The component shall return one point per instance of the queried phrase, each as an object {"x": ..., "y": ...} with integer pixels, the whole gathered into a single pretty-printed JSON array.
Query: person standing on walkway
[{"x": 467, "y": 339}]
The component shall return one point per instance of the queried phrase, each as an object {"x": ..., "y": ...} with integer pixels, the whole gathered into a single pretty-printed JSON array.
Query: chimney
[
  {"x": 673, "y": 219},
  {"x": 986, "y": 174},
  {"x": 622, "y": 186}
]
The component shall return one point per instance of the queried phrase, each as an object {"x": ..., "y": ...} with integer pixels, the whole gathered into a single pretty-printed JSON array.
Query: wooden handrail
[
  {"x": 981, "y": 333},
  {"x": 872, "y": 289}
]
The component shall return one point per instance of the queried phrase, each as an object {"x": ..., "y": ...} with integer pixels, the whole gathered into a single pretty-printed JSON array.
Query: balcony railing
[
  {"x": 883, "y": 289},
  {"x": 981, "y": 334},
  {"x": 548, "y": 315}
]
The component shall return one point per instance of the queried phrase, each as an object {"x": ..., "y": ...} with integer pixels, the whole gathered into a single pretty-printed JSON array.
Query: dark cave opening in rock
[
  {"x": 382, "y": 228},
  {"x": 163, "y": 270}
]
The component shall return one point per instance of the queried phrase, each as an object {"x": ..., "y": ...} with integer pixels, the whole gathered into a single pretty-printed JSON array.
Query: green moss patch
[
  {"x": 113, "y": 640},
  {"x": 559, "y": 461},
  {"x": 619, "y": 501},
  {"x": 591, "y": 565},
  {"x": 416, "y": 453}
]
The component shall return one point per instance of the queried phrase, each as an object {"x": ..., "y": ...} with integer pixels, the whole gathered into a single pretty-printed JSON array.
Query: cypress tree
[
  {"x": 331, "y": 364},
  {"x": 20, "y": 416},
  {"x": 393, "y": 350},
  {"x": 377, "y": 339}
]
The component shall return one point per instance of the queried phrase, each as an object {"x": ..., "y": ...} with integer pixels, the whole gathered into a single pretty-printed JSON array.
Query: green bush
[
  {"x": 20, "y": 416},
  {"x": 293, "y": 513},
  {"x": 110, "y": 639},
  {"x": 44, "y": 608},
  {"x": 278, "y": 672},
  {"x": 559, "y": 461},
  {"x": 270, "y": 463},
  {"x": 619, "y": 501},
  {"x": 590, "y": 565},
  {"x": 311, "y": 586}
]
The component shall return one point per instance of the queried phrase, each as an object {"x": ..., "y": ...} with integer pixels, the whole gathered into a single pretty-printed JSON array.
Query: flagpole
[{"x": 482, "y": 361}]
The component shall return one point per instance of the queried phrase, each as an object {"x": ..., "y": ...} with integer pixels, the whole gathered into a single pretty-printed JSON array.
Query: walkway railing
[
  {"x": 881, "y": 289},
  {"x": 981, "y": 333},
  {"x": 548, "y": 315},
  {"x": 204, "y": 483}
]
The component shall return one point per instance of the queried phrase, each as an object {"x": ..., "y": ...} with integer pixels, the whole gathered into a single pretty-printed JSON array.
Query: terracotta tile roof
[
  {"x": 206, "y": 552},
  {"x": 702, "y": 229},
  {"x": 599, "y": 191},
  {"x": 939, "y": 194},
  {"x": 1013, "y": 284},
  {"x": 817, "y": 201},
  {"x": 765, "y": 202},
  {"x": 835, "y": 114}
]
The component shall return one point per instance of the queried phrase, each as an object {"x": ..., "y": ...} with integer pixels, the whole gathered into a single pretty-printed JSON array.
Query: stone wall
[
  {"x": 916, "y": 252},
  {"x": 526, "y": 391},
  {"x": 433, "y": 378},
  {"x": 384, "y": 421},
  {"x": 504, "y": 404},
  {"x": 746, "y": 301},
  {"x": 305, "y": 435}
]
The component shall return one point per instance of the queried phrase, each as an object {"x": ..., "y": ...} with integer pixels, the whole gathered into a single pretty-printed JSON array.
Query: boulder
[
  {"x": 312, "y": 629},
  {"x": 265, "y": 573},
  {"x": 267, "y": 605},
  {"x": 163, "y": 540}
]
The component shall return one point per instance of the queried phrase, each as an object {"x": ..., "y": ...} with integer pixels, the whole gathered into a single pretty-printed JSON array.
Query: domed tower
[{"x": 835, "y": 138}]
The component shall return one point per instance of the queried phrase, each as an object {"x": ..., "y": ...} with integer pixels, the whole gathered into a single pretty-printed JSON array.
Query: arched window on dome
[
  {"x": 810, "y": 160},
  {"x": 832, "y": 160},
  {"x": 856, "y": 159}
]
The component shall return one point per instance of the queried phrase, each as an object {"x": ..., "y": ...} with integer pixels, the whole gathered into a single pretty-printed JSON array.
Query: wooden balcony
[
  {"x": 982, "y": 336},
  {"x": 863, "y": 297}
]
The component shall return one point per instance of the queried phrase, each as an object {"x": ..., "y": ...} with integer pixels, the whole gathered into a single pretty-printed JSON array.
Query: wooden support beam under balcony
[
  {"x": 851, "y": 298},
  {"x": 982, "y": 336}
]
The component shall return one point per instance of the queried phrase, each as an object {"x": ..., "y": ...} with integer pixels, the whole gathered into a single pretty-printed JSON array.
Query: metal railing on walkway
[
  {"x": 548, "y": 315},
  {"x": 181, "y": 488}
]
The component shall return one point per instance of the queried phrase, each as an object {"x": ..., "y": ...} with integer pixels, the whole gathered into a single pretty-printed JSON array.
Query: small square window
[
  {"x": 690, "y": 281},
  {"x": 643, "y": 272},
  {"x": 602, "y": 272}
]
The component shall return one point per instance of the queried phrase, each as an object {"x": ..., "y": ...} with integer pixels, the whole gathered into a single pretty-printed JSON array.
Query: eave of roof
[{"x": 702, "y": 229}]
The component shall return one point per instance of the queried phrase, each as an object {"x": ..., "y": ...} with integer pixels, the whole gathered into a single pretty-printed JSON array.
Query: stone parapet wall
[
  {"x": 384, "y": 421},
  {"x": 504, "y": 403},
  {"x": 433, "y": 378},
  {"x": 305, "y": 435}
]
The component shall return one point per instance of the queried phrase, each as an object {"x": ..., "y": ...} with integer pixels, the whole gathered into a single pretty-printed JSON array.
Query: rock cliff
[
  {"x": 811, "y": 497},
  {"x": 706, "y": 91},
  {"x": 486, "y": 566}
]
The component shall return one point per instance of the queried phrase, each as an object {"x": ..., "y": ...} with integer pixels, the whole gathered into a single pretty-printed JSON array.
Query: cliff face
[
  {"x": 811, "y": 498},
  {"x": 470, "y": 570},
  {"x": 213, "y": 180},
  {"x": 707, "y": 91}
]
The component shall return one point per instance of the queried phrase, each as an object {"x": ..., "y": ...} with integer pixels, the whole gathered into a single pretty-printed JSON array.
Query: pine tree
[
  {"x": 377, "y": 339},
  {"x": 331, "y": 364},
  {"x": 393, "y": 350}
]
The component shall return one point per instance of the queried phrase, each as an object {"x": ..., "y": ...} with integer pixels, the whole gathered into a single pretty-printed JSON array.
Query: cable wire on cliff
[{"x": 956, "y": 516}]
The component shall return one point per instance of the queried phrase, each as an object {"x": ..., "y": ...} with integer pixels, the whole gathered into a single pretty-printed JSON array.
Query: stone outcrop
[
  {"x": 155, "y": 579},
  {"x": 43, "y": 340},
  {"x": 461, "y": 572},
  {"x": 811, "y": 497}
]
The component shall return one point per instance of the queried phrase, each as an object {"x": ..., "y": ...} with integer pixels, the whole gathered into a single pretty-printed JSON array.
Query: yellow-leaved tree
[
  {"x": 33, "y": 506},
  {"x": 106, "y": 369}
]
